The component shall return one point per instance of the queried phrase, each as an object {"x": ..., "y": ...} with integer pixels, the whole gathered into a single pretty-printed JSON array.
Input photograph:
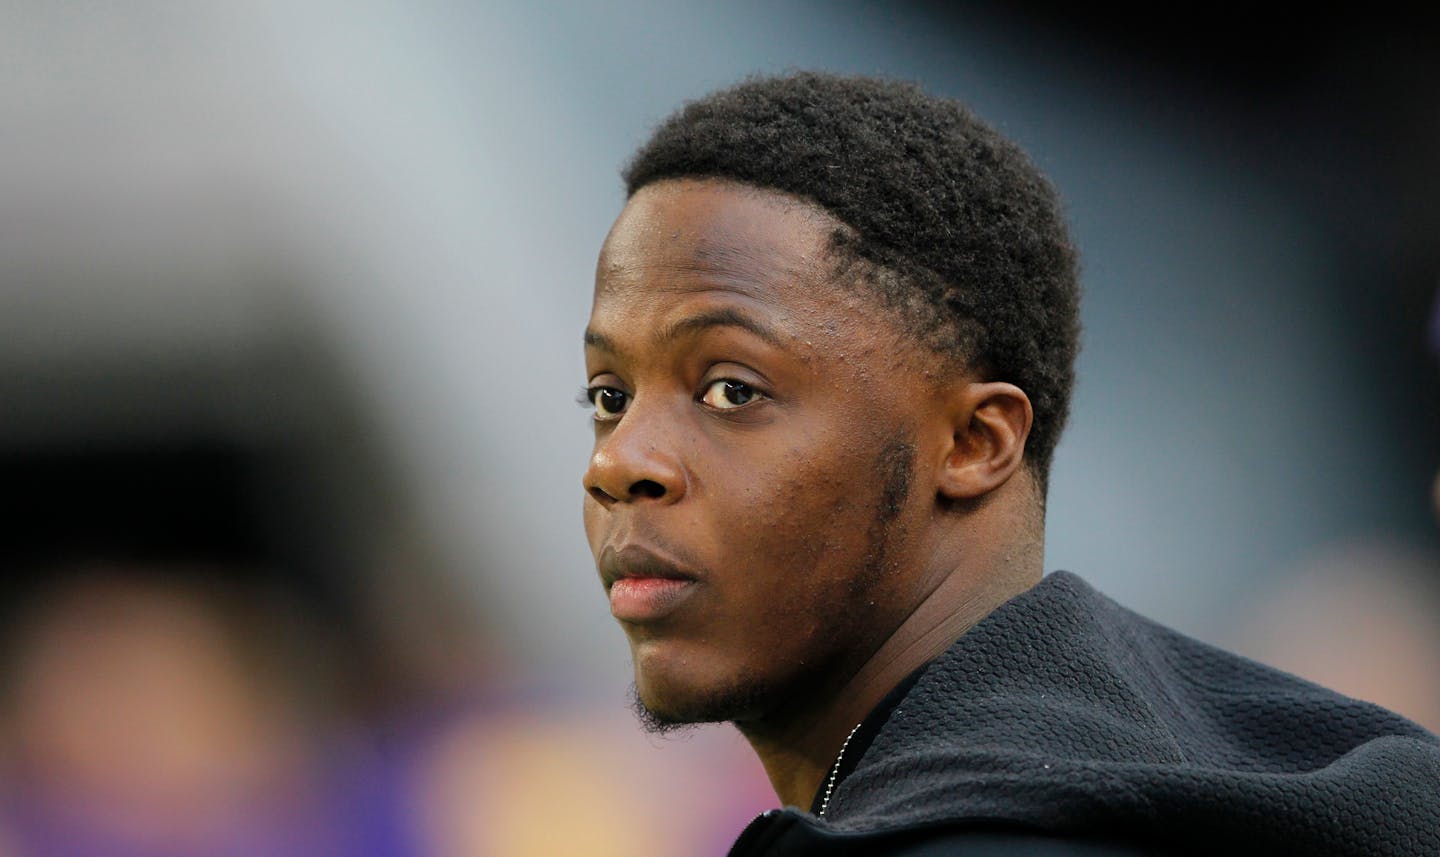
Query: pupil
[
  {"x": 736, "y": 394},
  {"x": 611, "y": 400}
]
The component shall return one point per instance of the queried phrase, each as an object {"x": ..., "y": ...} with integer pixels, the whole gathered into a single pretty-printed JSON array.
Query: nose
[{"x": 637, "y": 460}]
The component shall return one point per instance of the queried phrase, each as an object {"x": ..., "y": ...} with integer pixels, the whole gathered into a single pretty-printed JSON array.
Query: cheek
[{"x": 808, "y": 519}]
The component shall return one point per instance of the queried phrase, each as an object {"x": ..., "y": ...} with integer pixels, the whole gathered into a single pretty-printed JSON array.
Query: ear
[{"x": 990, "y": 422}]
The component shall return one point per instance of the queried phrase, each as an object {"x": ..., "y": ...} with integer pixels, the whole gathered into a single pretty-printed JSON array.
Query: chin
[
  {"x": 654, "y": 718},
  {"x": 664, "y": 700}
]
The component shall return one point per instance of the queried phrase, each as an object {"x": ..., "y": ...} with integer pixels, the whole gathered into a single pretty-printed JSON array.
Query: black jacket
[{"x": 1065, "y": 724}]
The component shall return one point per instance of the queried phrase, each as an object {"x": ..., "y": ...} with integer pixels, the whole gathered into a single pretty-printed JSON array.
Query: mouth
[{"x": 644, "y": 586}]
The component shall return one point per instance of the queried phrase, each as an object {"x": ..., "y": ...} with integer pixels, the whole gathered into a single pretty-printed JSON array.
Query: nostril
[
  {"x": 647, "y": 488},
  {"x": 600, "y": 496}
]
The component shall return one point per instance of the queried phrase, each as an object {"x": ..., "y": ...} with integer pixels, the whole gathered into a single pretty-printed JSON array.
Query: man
[{"x": 830, "y": 355}]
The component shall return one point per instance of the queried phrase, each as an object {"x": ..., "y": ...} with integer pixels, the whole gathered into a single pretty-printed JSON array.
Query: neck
[{"x": 798, "y": 747}]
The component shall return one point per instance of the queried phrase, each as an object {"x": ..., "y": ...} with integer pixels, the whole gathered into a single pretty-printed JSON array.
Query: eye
[
  {"x": 728, "y": 393},
  {"x": 609, "y": 402}
]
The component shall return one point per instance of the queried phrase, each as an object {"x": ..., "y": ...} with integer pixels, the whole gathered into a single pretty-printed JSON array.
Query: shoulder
[
  {"x": 794, "y": 834},
  {"x": 970, "y": 843}
]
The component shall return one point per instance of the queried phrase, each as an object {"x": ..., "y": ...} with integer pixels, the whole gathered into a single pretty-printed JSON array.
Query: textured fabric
[
  {"x": 790, "y": 833},
  {"x": 859, "y": 740},
  {"x": 1065, "y": 713}
]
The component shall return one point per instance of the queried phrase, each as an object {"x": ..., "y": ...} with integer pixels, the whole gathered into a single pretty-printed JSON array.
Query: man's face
[{"x": 758, "y": 494}]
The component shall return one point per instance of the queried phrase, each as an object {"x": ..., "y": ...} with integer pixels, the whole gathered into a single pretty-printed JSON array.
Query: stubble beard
[
  {"x": 740, "y": 699},
  {"x": 720, "y": 705}
]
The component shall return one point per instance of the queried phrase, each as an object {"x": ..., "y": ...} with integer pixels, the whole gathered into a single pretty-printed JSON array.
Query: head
[{"x": 830, "y": 355}]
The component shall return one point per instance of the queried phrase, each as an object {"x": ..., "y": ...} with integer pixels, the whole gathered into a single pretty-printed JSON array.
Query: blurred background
[{"x": 290, "y": 308}]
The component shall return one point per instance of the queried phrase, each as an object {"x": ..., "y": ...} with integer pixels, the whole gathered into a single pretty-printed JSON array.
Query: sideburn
[
  {"x": 893, "y": 469},
  {"x": 894, "y": 466}
]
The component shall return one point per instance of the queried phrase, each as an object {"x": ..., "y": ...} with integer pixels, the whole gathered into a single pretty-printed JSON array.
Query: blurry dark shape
[
  {"x": 1434, "y": 330},
  {"x": 208, "y": 627},
  {"x": 152, "y": 502},
  {"x": 1254, "y": 51},
  {"x": 198, "y": 514},
  {"x": 174, "y": 672},
  {"x": 1435, "y": 351},
  {"x": 154, "y": 506}
]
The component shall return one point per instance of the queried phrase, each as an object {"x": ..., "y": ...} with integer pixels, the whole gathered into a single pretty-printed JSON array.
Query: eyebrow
[
  {"x": 599, "y": 340},
  {"x": 692, "y": 325}
]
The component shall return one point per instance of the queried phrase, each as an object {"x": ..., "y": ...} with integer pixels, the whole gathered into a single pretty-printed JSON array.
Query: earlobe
[{"x": 991, "y": 421}]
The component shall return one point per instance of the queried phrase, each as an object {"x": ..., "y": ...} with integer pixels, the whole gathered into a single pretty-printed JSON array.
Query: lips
[{"x": 644, "y": 586}]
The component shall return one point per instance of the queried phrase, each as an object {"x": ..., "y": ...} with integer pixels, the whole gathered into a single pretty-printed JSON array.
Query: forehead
[
  {"x": 689, "y": 255},
  {"x": 693, "y": 235}
]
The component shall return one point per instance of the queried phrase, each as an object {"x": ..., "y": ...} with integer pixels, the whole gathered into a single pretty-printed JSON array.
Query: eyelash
[{"x": 585, "y": 397}]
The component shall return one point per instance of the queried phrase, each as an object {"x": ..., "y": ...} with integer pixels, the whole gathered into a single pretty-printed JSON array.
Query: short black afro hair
[{"x": 952, "y": 224}]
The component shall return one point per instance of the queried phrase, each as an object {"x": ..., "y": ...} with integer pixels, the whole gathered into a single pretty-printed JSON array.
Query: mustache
[{"x": 648, "y": 558}]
